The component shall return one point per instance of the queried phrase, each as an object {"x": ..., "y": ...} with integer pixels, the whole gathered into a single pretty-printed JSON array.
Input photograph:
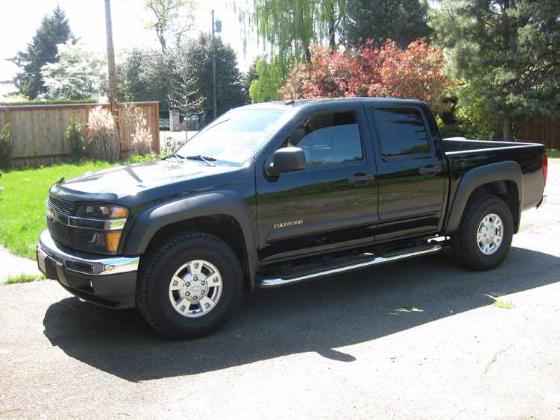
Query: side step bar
[{"x": 415, "y": 252}]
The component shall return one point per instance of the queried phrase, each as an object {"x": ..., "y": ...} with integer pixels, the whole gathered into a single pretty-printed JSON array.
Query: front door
[{"x": 331, "y": 200}]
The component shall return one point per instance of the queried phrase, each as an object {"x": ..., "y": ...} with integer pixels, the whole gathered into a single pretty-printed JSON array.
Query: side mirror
[{"x": 286, "y": 159}]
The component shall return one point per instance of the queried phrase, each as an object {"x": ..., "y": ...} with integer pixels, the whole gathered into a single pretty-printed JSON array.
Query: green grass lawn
[
  {"x": 24, "y": 278},
  {"x": 22, "y": 202},
  {"x": 553, "y": 153}
]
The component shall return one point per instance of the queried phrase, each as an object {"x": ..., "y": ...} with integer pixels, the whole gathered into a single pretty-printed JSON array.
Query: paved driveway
[{"x": 419, "y": 340}]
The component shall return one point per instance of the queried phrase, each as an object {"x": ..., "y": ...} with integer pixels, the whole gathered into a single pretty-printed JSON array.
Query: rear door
[
  {"x": 410, "y": 177},
  {"x": 332, "y": 199}
]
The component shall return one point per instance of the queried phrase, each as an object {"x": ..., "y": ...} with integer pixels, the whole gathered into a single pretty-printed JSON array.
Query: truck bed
[{"x": 463, "y": 154}]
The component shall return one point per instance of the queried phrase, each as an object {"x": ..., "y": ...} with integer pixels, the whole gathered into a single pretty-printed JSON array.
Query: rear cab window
[{"x": 401, "y": 131}]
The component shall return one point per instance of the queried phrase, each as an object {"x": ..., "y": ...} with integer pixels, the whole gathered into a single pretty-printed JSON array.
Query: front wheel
[
  {"x": 484, "y": 237},
  {"x": 189, "y": 286}
]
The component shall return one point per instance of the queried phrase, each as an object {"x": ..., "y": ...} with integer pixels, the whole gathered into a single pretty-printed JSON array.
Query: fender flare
[
  {"x": 150, "y": 221},
  {"x": 500, "y": 171}
]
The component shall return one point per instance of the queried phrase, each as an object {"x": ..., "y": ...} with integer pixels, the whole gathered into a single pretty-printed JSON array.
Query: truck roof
[{"x": 304, "y": 103}]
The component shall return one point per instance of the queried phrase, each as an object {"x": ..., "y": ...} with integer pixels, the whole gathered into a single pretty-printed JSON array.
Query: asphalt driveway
[{"x": 420, "y": 339}]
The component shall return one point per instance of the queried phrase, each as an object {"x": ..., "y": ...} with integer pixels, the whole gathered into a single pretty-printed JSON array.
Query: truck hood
[{"x": 123, "y": 181}]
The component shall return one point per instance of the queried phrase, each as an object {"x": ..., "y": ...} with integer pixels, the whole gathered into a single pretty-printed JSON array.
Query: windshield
[{"x": 232, "y": 138}]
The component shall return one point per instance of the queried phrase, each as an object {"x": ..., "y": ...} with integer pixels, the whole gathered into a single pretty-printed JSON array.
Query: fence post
[{"x": 155, "y": 140}]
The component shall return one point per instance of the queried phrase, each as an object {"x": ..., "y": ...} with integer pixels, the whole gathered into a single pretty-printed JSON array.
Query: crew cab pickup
[{"x": 278, "y": 193}]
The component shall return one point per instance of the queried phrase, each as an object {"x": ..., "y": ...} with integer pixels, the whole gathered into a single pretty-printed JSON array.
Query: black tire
[
  {"x": 157, "y": 270},
  {"x": 464, "y": 246}
]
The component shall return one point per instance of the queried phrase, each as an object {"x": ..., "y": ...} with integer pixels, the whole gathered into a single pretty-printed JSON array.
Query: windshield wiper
[
  {"x": 206, "y": 159},
  {"x": 173, "y": 156}
]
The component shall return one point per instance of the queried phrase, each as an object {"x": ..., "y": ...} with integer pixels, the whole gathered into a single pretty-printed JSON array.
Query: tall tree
[
  {"x": 144, "y": 76},
  {"x": 170, "y": 19},
  {"x": 184, "y": 86},
  {"x": 54, "y": 30},
  {"x": 507, "y": 51},
  {"x": 229, "y": 81},
  {"x": 182, "y": 78},
  {"x": 291, "y": 26},
  {"x": 78, "y": 73},
  {"x": 402, "y": 21}
]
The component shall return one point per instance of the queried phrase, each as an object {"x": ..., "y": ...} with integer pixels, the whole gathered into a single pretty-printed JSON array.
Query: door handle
[
  {"x": 430, "y": 170},
  {"x": 361, "y": 178}
]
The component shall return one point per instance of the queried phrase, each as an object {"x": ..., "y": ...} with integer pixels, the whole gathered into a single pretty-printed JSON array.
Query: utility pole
[
  {"x": 110, "y": 57},
  {"x": 213, "y": 47}
]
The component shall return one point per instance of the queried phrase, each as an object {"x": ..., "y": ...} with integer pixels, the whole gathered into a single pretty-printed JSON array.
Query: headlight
[
  {"x": 102, "y": 211},
  {"x": 106, "y": 220}
]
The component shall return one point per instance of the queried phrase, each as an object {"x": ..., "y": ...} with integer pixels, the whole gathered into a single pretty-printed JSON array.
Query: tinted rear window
[{"x": 401, "y": 131}]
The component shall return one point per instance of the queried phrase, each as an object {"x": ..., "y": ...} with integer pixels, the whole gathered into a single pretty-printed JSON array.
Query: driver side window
[{"x": 329, "y": 138}]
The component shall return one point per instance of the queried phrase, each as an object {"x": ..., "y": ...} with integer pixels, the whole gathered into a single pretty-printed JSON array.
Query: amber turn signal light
[{"x": 112, "y": 240}]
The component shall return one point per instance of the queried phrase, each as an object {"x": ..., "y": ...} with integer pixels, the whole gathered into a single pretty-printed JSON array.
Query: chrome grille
[{"x": 61, "y": 206}]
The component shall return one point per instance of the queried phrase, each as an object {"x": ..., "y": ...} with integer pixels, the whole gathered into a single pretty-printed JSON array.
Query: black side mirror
[{"x": 286, "y": 159}]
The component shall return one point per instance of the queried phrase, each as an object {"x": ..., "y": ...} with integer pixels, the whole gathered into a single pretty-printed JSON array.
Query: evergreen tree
[
  {"x": 144, "y": 76},
  {"x": 229, "y": 86},
  {"x": 402, "y": 21},
  {"x": 54, "y": 30},
  {"x": 184, "y": 88},
  {"x": 507, "y": 51},
  {"x": 182, "y": 77}
]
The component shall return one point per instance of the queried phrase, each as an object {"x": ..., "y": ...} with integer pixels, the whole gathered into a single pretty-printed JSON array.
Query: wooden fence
[
  {"x": 540, "y": 130},
  {"x": 38, "y": 130}
]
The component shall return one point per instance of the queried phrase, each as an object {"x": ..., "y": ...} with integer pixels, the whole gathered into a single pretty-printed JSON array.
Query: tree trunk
[
  {"x": 507, "y": 133},
  {"x": 332, "y": 35},
  {"x": 162, "y": 43},
  {"x": 307, "y": 52}
]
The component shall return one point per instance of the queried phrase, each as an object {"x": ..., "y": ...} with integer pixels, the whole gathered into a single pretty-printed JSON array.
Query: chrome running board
[{"x": 277, "y": 282}]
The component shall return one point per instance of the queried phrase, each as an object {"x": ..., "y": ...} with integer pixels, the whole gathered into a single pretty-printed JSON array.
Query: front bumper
[{"x": 107, "y": 281}]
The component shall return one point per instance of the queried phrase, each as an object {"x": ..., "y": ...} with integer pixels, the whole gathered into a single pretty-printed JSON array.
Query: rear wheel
[
  {"x": 484, "y": 237},
  {"x": 189, "y": 286}
]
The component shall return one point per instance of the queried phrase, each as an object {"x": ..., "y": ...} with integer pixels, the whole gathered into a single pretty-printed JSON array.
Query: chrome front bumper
[
  {"x": 110, "y": 282},
  {"x": 84, "y": 263}
]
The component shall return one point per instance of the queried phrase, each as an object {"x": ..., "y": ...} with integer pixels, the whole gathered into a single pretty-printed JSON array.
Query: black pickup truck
[{"x": 278, "y": 193}]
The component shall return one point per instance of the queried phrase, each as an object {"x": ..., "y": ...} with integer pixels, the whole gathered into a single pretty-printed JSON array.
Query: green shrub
[
  {"x": 475, "y": 119},
  {"x": 6, "y": 147},
  {"x": 138, "y": 158},
  {"x": 73, "y": 136}
]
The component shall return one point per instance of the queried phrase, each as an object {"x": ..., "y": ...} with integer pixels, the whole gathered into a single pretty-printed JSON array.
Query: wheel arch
[
  {"x": 220, "y": 214},
  {"x": 503, "y": 179}
]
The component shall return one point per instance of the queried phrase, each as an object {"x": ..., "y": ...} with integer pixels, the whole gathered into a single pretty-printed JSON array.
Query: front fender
[
  {"x": 476, "y": 177},
  {"x": 147, "y": 223}
]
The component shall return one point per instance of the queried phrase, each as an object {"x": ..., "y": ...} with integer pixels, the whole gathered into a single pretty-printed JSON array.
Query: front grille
[{"x": 62, "y": 206}]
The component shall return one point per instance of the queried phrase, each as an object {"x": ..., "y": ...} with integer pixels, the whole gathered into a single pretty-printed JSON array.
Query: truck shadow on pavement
[{"x": 316, "y": 317}]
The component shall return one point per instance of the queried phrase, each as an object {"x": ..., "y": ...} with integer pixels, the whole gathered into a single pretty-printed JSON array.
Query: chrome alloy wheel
[
  {"x": 195, "y": 288},
  {"x": 490, "y": 234}
]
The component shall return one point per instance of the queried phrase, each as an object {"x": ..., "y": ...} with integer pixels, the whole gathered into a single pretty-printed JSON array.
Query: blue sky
[{"x": 20, "y": 19}]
